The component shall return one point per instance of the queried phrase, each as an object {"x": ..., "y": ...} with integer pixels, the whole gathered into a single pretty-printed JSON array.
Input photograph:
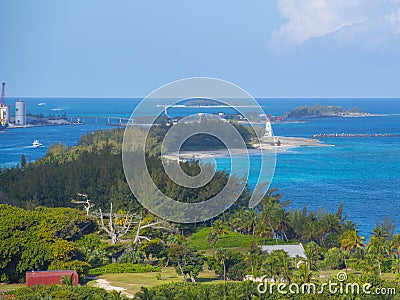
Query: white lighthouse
[{"x": 268, "y": 129}]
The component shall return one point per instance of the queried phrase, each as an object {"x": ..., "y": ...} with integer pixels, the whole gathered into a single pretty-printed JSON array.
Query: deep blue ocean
[{"x": 362, "y": 173}]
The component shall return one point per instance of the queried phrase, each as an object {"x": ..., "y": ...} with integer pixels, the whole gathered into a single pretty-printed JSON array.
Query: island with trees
[{"x": 321, "y": 111}]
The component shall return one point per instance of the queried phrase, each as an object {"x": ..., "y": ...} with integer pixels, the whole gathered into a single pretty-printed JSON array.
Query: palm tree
[
  {"x": 313, "y": 253},
  {"x": 281, "y": 220},
  {"x": 350, "y": 241},
  {"x": 333, "y": 259},
  {"x": 304, "y": 274},
  {"x": 380, "y": 233},
  {"x": 272, "y": 200},
  {"x": 298, "y": 221},
  {"x": 366, "y": 264},
  {"x": 236, "y": 221},
  {"x": 286, "y": 264},
  {"x": 253, "y": 255},
  {"x": 222, "y": 256},
  {"x": 219, "y": 228},
  {"x": 250, "y": 221},
  {"x": 264, "y": 226},
  {"x": 212, "y": 239},
  {"x": 331, "y": 224},
  {"x": 310, "y": 232},
  {"x": 339, "y": 215},
  {"x": 349, "y": 225},
  {"x": 379, "y": 249},
  {"x": 395, "y": 246}
]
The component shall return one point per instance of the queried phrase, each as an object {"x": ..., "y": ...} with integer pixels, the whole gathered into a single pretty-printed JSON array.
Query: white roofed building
[{"x": 293, "y": 251}]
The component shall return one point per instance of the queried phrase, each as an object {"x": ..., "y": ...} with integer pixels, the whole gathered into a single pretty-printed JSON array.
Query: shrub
[
  {"x": 132, "y": 257},
  {"x": 81, "y": 267},
  {"x": 39, "y": 292},
  {"x": 237, "y": 271}
]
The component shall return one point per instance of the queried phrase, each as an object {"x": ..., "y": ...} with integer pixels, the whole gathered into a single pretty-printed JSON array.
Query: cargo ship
[
  {"x": 3, "y": 117},
  {"x": 4, "y": 110}
]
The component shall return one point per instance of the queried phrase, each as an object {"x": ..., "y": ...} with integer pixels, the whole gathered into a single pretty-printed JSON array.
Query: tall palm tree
[
  {"x": 250, "y": 221},
  {"x": 395, "y": 246},
  {"x": 222, "y": 256},
  {"x": 379, "y": 249},
  {"x": 331, "y": 223},
  {"x": 350, "y": 241},
  {"x": 212, "y": 239},
  {"x": 286, "y": 264},
  {"x": 310, "y": 232},
  {"x": 219, "y": 228},
  {"x": 313, "y": 254},
  {"x": 281, "y": 219},
  {"x": 237, "y": 220},
  {"x": 349, "y": 225},
  {"x": 264, "y": 227},
  {"x": 380, "y": 233}
]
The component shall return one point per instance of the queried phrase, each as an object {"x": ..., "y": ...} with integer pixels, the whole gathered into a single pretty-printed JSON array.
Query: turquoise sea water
[{"x": 363, "y": 173}]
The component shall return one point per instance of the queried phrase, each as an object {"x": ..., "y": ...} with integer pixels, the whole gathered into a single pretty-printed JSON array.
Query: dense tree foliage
[
  {"x": 320, "y": 111},
  {"x": 94, "y": 167},
  {"x": 249, "y": 290},
  {"x": 41, "y": 239},
  {"x": 63, "y": 293}
]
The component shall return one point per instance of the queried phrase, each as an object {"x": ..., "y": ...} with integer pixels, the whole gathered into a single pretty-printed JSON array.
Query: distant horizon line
[{"x": 256, "y": 97}]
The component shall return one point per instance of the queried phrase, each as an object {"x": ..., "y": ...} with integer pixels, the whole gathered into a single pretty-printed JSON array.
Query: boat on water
[
  {"x": 36, "y": 144},
  {"x": 79, "y": 122},
  {"x": 41, "y": 103}
]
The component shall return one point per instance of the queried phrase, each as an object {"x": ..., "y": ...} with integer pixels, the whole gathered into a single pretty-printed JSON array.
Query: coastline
[{"x": 286, "y": 143}]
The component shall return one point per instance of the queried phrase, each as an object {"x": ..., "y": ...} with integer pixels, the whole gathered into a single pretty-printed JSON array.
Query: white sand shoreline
[{"x": 286, "y": 143}]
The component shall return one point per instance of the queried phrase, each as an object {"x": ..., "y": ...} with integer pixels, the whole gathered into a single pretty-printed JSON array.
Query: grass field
[
  {"x": 231, "y": 240},
  {"x": 8, "y": 287},
  {"x": 132, "y": 282}
]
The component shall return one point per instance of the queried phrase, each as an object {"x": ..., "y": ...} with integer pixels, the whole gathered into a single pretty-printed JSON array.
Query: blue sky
[{"x": 127, "y": 48}]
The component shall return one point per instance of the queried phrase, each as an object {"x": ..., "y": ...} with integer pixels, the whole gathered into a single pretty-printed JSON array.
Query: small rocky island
[{"x": 320, "y": 111}]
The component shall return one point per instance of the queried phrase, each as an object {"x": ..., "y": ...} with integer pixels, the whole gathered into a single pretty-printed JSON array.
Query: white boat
[
  {"x": 41, "y": 103},
  {"x": 36, "y": 144}
]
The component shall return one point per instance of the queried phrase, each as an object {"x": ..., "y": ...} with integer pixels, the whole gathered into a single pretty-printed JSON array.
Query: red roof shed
[{"x": 50, "y": 277}]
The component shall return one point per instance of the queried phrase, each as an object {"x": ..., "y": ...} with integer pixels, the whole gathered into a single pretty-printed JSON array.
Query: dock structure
[{"x": 354, "y": 135}]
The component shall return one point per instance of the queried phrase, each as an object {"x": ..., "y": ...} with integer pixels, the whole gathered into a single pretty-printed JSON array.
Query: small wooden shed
[{"x": 50, "y": 277}]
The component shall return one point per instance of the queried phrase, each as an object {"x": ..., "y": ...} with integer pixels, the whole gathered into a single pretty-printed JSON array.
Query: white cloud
[
  {"x": 394, "y": 20},
  {"x": 308, "y": 19}
]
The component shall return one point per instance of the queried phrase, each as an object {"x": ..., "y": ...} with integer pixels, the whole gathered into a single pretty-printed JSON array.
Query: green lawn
[
  {"x": 8, "y": 287},
  {"x": 231, "y": 239},
  {"x": 134, "y": 281}
]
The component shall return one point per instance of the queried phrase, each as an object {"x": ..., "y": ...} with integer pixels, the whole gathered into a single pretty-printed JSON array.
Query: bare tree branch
[
  {"x": 114, "y": 230},
  {"x": 86, "y": 203}
]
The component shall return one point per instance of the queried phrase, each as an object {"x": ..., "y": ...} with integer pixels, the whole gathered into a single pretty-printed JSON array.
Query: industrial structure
[
  {"x": 4, "y": 109},
  {"x": 20, "y": 113}
]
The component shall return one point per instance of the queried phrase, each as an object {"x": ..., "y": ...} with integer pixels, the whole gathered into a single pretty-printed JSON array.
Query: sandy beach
[
  {"x": 289, "y": 142},
  {"x": 267, "y": 145}
]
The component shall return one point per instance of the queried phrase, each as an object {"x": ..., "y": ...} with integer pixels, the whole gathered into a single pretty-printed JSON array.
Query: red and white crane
[{"x": 3, "y": 93}]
